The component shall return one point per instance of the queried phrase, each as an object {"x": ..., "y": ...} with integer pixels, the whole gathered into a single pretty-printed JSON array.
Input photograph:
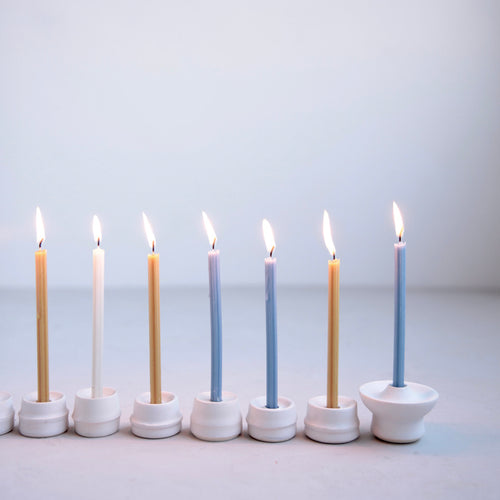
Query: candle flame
[
  {"x": 149, "y": 232},
  {"x": 40, "y": 229},
  {"x": 268, "y": 236},
  {"x": 398, "y": 221},
  {"x": 96, "y": 226},
  {"x": 212, "y": 237},
  {"x": 327, "y": 234}
]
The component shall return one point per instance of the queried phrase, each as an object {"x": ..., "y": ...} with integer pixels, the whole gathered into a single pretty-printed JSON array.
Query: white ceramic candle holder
[
  {"x": 155, "y": 421},
  {"x": 216, "y": 420},
  {"x": 272, "y": 425},
  {"x": 96, "y": 417},
  {"x": 332, "y": 425},
  {"x": 398, "y": 412},
  {"x": 6, "y": 412},
  {"x": 43, "y": 419}
]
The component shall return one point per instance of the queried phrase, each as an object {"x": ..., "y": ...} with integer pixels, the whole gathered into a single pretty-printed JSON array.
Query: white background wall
[{"x": 250, "y": 110}]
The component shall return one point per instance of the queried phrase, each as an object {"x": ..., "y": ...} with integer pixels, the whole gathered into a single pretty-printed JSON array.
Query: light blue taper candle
[
  {"x": 399, "y": 301},
  {"x": 215, "y": 314},
  {"x": 271, "y": 323}
]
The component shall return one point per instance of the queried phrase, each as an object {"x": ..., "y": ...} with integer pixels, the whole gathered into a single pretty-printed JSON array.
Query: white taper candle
[{"x": 98, "y": 312}]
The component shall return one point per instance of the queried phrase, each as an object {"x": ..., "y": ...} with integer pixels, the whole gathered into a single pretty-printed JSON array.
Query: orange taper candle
[
  {"x": 42, "y": 327},
  {"x": 154, "y": 316},
  {"x": 332, "y": 386}
]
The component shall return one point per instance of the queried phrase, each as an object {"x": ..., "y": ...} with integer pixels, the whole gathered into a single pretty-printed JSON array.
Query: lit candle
[
  {"x": 154, "y": 315},
  {"x": 271, "y": 325},
  {"x": 332, "y": 385},
  {"x": 42, "y": 326},
  {"x": 215, "y": 313},
  {"x": 399, "y": 300},
  {"x": 97, "y": 309}
]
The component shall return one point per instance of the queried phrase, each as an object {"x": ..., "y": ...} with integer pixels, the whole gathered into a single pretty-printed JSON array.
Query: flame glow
[
  {"x": 149, "y": 232},
  {"x": 327, "y": 234},
  {"x": 398, "y": 220},
  {"x": 40, "y": 229},
  {"x": 268, "y": 236},
  {"x": 212, "y": 237},
  {"x": 96, "y": 226}
]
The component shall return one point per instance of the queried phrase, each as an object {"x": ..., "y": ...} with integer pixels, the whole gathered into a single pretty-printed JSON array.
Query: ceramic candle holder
[
  {"x": 272, "y": 425},
  {"x": 398, "y": 412},
  {"x": 43, "y": 419},
  {"x": 216, "y": 420},
  {"x": 6, "y": 413},
  {"x": 155, "y": 421},
  {"x": 96, "y": 417},
  {"x": 332, "y": 425}
]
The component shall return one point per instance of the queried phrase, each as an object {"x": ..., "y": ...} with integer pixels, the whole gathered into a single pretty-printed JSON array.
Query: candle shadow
[
  {"x": 187, "y": 434},
  {"x": 443, "y": 439}
]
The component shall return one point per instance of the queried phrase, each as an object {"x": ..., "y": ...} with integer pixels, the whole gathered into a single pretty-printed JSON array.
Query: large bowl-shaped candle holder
[
  {"x": 272, "y": 425},
  {"x": 332, "y": 425},
  {"x": 398, "y": 412},
  {"x": 6, "y": 412},
  {"x": 216, "y": 420},
  {"x": 155, "y": 421},
  {"x": 96, "y": 417},
  {"x": 45, "y": 419}
]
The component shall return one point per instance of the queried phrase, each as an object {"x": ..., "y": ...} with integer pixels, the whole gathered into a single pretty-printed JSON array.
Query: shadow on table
[{"x": 441, "y": 439}]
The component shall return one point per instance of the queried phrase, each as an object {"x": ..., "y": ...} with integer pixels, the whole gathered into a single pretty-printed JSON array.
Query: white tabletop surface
[{"x": 453, "y": 345}]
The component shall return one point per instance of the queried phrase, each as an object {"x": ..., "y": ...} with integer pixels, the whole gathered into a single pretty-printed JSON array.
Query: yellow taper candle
[
  {"x": 332, "y": 386},
  {"x": 154, "y": 316},
  {"x": 42, "y": 325}
]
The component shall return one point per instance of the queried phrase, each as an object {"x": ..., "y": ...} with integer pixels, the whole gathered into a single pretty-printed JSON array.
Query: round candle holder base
[
  {"x": 6, "y": 412},
  {"x": 156, "y": 421},
  {"x": 46, "y": 419},
  {"x": 398, "y": 412},
  {"x": 332, "y": 425},
  {"x": 96, "y": 417},
  {"x": 272, "y": 425},
  {"x": 216, "y": 420}
]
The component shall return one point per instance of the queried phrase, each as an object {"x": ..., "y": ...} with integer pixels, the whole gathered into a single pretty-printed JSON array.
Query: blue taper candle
[
  {"x": 215, "y": 314},
  {"x": 271, "y": 321},
  {"x": 399, "y": 301},
  {"x": 216, "y": 325}
]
